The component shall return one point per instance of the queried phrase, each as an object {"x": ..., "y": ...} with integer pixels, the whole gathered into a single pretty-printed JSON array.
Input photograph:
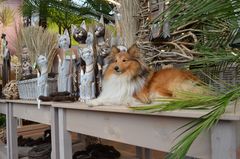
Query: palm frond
[
  {"x": 215, "y": 104},
  {"x": 209, "y": 57},
  {"x": 6, "y": 15},
  {"x": 180, "y": 13},
  {"x": 213, "y": 23}
]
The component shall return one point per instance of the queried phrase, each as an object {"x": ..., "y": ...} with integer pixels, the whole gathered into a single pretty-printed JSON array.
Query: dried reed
[
  {"x": 18, "y": 42},
  {"x": 40, "y": 42}
]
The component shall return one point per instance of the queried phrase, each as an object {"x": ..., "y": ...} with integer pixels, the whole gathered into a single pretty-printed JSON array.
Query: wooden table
[
  {"x": 28, "y": 110},
  {"x": 153, "y": 131}
]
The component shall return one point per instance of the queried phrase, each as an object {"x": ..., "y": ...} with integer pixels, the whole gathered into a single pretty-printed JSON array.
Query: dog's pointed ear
[
  {"x": 114, "y": 51},
  {"x": 134, "y": 51}
]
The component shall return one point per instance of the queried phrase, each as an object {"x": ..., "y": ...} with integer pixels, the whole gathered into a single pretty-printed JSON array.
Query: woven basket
[
  {"x": 229, "y": 76},
  {"x": 28, "y": 88},
  {"x": 3, "y": 138}
]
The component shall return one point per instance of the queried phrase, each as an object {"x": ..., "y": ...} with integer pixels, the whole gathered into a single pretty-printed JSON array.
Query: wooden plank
[
  {"x": 26, "y": 102},
  {"x": 65, "y": 143},
  {"x": 32, "y": 113},
  {"x": 154, "y": 132},
  {"x": 2, "y": 100},
  {"x": 12, "y": 148},
  {"x": 32, "y": 127},
  {"x": 224, "y": 140},
  {"x": 229, "y": 115}
]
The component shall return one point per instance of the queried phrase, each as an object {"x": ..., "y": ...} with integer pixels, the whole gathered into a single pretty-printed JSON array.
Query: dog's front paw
[{"x": 94, "y": 102}]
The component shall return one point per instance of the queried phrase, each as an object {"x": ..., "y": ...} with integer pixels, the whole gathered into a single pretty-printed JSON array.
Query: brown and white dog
[{"x": 128, "y": 81}]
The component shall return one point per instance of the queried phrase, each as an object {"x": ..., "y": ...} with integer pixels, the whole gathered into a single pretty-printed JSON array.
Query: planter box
[{"x": 28, "y": 88}]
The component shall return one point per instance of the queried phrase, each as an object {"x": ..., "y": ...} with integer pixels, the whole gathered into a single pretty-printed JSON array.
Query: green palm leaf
[{"x": 215, "y": 104}]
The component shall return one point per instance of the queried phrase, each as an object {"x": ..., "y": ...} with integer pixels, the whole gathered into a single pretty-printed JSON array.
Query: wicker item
[
  {"x": 228, "y": 77},
  {"x": 10, "y": 90},
  {"x": 3, "y": 138},
  {"x": 28, "y": 88}
]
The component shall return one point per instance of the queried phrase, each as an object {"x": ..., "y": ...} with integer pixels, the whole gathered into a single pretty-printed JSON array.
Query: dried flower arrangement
[
  {"x": 38, "y": 42},
  {"x": 32, "y": 43}
]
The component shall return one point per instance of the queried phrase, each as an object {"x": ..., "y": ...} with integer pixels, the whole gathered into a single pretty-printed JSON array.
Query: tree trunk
[{"x": 128, "y": 21}]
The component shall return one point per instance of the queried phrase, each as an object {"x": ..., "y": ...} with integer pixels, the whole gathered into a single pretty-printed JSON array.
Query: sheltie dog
[{"x": 128, "y": 81}]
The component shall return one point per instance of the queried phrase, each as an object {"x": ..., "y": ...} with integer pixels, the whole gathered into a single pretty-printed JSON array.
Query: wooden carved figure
[
  {"x": 87, "y": 76},
  {"x": 80, "y": 34},
  {"x": 156, "y": 8},
  {"x": 43, "y": 76},
  {"x": 87, "y": 80},
  {"x": 26, "y": 63},
  {"x": 103, "y": 50},
  {"x": 65, "y": 67},
  {"x": 6, "y": 60}
]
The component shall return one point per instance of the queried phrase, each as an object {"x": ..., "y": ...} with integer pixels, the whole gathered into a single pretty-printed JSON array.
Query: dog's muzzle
[{"x": 117, "y": 69}]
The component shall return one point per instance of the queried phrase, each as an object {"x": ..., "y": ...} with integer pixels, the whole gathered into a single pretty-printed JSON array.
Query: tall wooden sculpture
[
  {"x": 87, "y": 75},
  {"x": 43, "y": 76},
  {"x": 6, "y": 60},
  {"x": 103, "y": 50},
  {"x": 66, "y": 64},
  {"x": 26, "y": 63},
  {"x": 156, "y": 7}
]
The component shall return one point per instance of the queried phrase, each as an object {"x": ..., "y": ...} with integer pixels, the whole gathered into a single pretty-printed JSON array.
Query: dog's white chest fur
[{"x": 118, "y": 90}]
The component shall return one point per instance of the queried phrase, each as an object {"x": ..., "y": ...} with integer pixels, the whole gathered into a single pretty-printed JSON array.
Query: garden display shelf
[{"x": 155, "y": 131}]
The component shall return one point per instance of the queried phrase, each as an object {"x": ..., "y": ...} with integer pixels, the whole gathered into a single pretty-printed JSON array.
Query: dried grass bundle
[
  {"x": 18, "y": 42},
  {"x": 40, "y": 42}
]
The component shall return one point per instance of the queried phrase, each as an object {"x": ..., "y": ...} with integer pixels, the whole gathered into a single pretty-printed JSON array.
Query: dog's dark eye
[
  {"x": 124, "y": 60},
  {"x": 115, "y": 60}
]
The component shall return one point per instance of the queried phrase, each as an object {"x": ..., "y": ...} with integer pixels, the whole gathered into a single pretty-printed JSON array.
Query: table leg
[
  {"x": 147, "y": 153},
  {"x": 65, "y": 141},
  {"x": 139, "y": 152},
  {"x": 224, "y": 140},
  {"x": 12, "y": 147},
  {"x": 54, "y": 133}
]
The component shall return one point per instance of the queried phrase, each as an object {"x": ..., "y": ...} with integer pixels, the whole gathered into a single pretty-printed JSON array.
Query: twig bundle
[
  {"x": 187, "y": 32},
  {"x": 177, "y": 50}
]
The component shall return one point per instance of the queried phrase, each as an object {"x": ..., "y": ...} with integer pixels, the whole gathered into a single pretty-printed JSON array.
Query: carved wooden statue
[
  {"x": 6, "y": 61},
  {"x": 156, "y": 8},
  {"x": 65, "y": 67},
  {"x": 42, "y": 78},
  {"x": 26, "y": 63},
  {"x": 87, "y": 76},
  {"x": 103, "y": 50}
]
